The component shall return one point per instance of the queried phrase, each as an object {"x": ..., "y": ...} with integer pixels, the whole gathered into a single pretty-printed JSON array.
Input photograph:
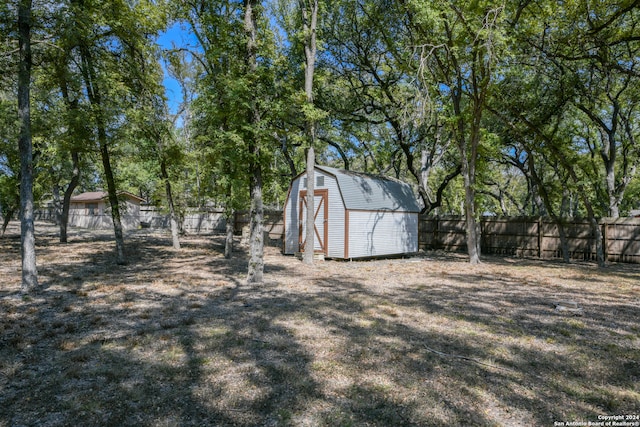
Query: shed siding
[
  {"x": 382, "y": 233},
  {"x": 130, "y": 217},
  {"x": 291, "y": 215},
  {"x": 336, "y": 220},
  {"x": 335, "y": 238}
]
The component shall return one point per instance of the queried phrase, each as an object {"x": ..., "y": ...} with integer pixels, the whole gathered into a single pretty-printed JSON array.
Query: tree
[
  {"x": 9, "y": 161},
  {"x": 27, "y": 233},
  {"x": 226, "y": 113},
  {"x": 547, "y": 139},
  {"x": 94, "y": 93},
  {"x": 109, "y": 45},
  {"x": 567, "y": 97},
  {"x": 392, "y": 120},
  {"x": 76, "y": 133},
  {"x": 592, "y": 45},
  {"x": 173, "y": 218},
  {"x": 153, "y": 128},
  {"x": 68, "y": 192},
  {"x": 256, "y": 213},
  {"x": 459, "y": 47},
  {"x": 232, "y": 115},
  {"x": 219, "y": 126},
  {"x": 185, "y": 70},
  {"x": 309, "y": 12},
  {"x": 607, "y": 92}
]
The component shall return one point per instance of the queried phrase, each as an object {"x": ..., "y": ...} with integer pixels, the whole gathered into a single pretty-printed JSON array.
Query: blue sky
[{"x": 177, "y": 36}]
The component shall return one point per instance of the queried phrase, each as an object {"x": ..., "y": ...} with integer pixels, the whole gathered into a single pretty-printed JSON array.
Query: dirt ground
[{"x": 176, "y": 338}]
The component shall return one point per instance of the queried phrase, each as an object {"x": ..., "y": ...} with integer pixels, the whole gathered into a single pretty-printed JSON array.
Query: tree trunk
[
  {"x": 256, "y": 230},
  {"x": 609, "y": 151},
  {"x": 95, "y": 98},
  {"x": 473, "y": 238},
  {"x": 228, "y": 241},
  {"x": 545, "y": 207},
  {"x": 256, "y": 235},
  {"x": 72, "y": 106},
  {"x": 285, "y": 152},
  {"x": 614, "y": 204},
  {"x": 113, "y": 197},
  {"x": 66, "y": 201},
  {"x": 309, "y": 240},
  {"x": 468, "y": 153},
  {"x": 175, "y": 238},
  {"x": 584, "y": 196},
  {"x": 57, "y": 206},
  {"x": 608, "y": 154},
  {"x": 309, "y": 24},
  {"x": 595, "y": 227},
  {"x": 9, "y": 213},
  {"x": 561, "y": 223},
  {"x": 538, "y": 205},
  {"x": 27, "y": 229}
]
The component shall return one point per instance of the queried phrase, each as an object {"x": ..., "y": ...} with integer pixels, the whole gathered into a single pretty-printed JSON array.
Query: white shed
[{"x": 357, "y": 215}]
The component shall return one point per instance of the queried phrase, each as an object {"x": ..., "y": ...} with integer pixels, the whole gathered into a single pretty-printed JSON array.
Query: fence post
[
  {"x": 605, "y": 239},
  {"x": 540, "y": 236}
]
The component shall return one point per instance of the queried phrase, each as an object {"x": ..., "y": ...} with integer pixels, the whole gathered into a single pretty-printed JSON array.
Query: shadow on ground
[{"x": 177, "y": 338}]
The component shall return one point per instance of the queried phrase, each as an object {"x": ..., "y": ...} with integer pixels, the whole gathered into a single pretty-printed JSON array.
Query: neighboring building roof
[
  {"x": 372, "y": 192},
  {"x": 97, "y": 196},
  {"x": 90, "y": 196}
]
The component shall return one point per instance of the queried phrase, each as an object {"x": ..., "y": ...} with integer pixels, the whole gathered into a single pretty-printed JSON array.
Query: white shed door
[{"x": 320, "y": 200}]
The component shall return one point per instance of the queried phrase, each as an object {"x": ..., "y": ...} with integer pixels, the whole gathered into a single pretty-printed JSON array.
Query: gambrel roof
[{"x": 362, "y": 191}]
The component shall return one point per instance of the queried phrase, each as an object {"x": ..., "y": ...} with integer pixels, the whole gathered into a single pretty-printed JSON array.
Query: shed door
[{"x": 321, "y": 219}]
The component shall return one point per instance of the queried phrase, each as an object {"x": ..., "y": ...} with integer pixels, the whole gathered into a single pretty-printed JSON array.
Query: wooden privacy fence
[
  {"x": 523, "y": 236},
  {"x": 536, "y": 237},
  {"x": 194, "y": 220},
  {"x": 273, "y": 223},
  {"x": 212, "y": 220}
]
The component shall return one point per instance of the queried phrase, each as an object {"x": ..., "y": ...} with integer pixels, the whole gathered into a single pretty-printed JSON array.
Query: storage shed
[{"x": 357, "y": 215}]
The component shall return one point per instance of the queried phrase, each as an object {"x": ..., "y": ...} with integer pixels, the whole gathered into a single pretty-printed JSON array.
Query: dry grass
[{"x": 176, "y": 339}]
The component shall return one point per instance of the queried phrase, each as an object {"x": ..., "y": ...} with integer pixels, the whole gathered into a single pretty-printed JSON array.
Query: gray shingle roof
[
  {"x": 371, "y": 192},
  {"x": 96, "y": 196},
  {"x": 91, "y": 196}
]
